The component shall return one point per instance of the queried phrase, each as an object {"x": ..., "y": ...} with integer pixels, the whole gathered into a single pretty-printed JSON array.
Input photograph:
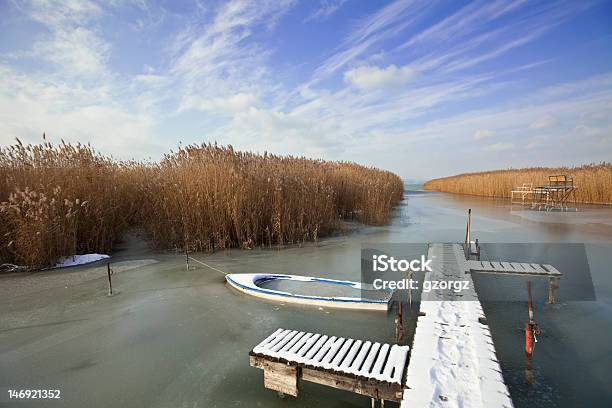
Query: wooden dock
[
  {"x": 453, "y": 361},
  {"x": 363, "y": 367},
  {"x": 514, "y": 268}
]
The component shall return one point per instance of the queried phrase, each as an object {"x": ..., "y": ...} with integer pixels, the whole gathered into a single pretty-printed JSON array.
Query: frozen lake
[{"x": 172, "y": 337}]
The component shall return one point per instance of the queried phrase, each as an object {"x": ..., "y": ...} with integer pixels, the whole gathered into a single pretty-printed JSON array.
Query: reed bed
[
  {"x": 59, "y": 200},
  {"x": 594, "y": 182}
]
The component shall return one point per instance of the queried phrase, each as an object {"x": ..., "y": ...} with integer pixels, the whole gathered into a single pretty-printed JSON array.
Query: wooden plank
[
  {"x": 350, "y": 356},
  {"x": 284, "y": 341},
  {"x": 359, "y": 360},
  {"x": 538, "y": 268},
  {"x": 369, "y": 361},
  {"x": 382, "y": 356},
  {"x": 323, "y": 350},
  {"x": 389, "y": 392},
  {"x": 513, "y": 268},
  {"x": 313, "y": 348},
  {"x": 281, "y": 377}
]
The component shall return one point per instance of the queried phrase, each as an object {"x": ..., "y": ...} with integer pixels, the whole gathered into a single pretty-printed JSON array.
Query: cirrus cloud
[{"x": 371, "y": 77}]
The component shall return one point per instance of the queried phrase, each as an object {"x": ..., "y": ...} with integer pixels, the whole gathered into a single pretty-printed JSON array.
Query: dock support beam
[
  {"x": 467, "y": 229},
  {"x": 552, "y": 285}
]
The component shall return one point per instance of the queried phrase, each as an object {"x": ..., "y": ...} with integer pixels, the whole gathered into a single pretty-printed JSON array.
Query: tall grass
[
  {"x": 61, "y": 200},
  {"x": 594, "y": 182},
  {"x": 68, "y": 199}
]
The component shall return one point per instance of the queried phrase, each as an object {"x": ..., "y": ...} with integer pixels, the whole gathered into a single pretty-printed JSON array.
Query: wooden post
[
  {"x": 529, "y": 302},
  {"x": 467, "y": 232},
  {"x": 110, "y": 282},
  {"x": 399, "y": 323},
  {"x": 410, "y": 289},
  {"x": 281, "y": 377},
  {"x": 552, "y": 285},
  {"x": 528, "y": 371},
  {"x": 187, "y": 256}
]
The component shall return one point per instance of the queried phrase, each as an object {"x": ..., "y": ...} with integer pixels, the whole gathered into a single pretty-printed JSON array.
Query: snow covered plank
[
  {"x": 364, "y": 367},
  {"x": 370, "y": 361}
]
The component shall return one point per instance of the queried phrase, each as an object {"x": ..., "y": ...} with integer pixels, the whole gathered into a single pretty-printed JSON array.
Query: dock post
[
  {"x": 399, "y": 323},
  {"x": 110, "y": 282},
  {"x": 552, "y": 285},
  {"x": 467, "y": 232},
  {"x": 410, "y": 289},
  {"x": 187, "y": 256}
]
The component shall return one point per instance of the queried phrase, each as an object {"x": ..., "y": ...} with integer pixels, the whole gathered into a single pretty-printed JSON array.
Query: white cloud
[
  {"x": 233, "y": 103},
  {"x": 325, "y": 10},
  {"x": 482, "y": 134},
  {"x": 151, "y": 79},
  {"x": 218, "y": 59},
  {"x": 75, "y": 50},
  {"x": 370, "y": 77},
  {"x": 215, "y": 79},
  {"x": 498, "y": 147},
  {"x": 544, "y": 122},
  {"x": 372, "y": 30},
  {"x": 31, "y": 106},
  {"x": 72, "y": 43}
]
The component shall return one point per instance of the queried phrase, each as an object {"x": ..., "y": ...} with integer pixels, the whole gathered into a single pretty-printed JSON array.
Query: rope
[{"x": 208, "y": 266}]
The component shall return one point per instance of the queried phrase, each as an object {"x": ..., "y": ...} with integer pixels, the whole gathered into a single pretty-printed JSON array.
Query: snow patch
[{"x": 75, "y": 260}]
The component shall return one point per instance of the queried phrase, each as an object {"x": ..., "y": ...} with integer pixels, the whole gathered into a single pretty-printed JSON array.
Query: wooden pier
[
  {"x": 363, "y": 367},
  {"x": 514, "y": 268},
  {"x": 555, "y": 195},
  {"x": 452, "y": 361}
]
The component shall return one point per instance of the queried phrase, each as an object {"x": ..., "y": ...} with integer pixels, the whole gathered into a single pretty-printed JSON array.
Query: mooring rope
[{"x": 211, "y": 267}]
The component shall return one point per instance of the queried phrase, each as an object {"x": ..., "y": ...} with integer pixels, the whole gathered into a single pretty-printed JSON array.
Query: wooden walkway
[
  {"x": 514, "y": 268},
  {"x": 367, "y": 368},
  {"x": 453, "y": 361}
]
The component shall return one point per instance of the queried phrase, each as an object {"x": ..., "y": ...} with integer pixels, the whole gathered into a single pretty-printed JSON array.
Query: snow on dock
[
  {"x": 365, "y": 367},
  {"x": 453, "y": 361}
]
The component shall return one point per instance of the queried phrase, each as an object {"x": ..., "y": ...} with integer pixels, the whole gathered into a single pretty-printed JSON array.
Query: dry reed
[
  {"x": 594, "y": 182},
  {"x": 68, "y": 199}
]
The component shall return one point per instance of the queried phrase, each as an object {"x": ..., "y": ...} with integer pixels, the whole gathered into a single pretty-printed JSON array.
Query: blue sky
[{"x": 422, "y": 88}]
